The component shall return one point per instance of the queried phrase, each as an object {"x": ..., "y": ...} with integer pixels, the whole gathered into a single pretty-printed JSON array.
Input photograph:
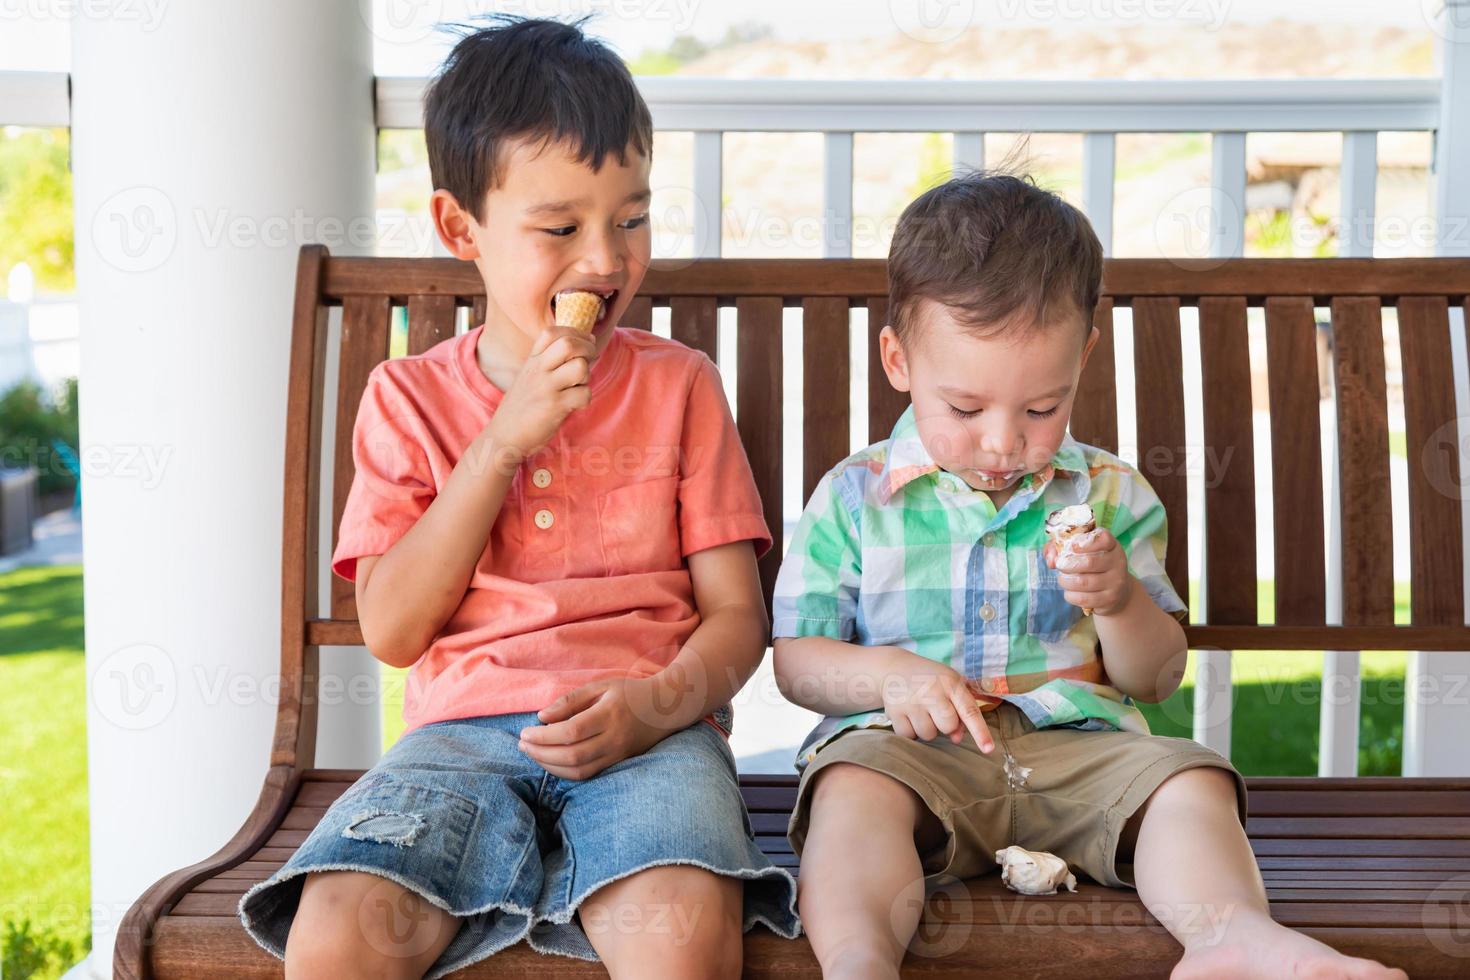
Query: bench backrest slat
[
  {"x": 1095, "y": 409},
  {"x": 1436, "y": 563},
  {"x": 826, "y": 387},
  {"x": 1158, "y": 372},
  {"x": 758, "y": 404},
  {"x": 1296, "y": 460},
  {"x": 365, "y": 335},
  {"x": 1229, "y": 484},
  {"x": 1362, "y": 441},
  {"x": 639, "y": 314},
  {"x": 694, "y": 322},
  {"x": 431, "y": 319}
]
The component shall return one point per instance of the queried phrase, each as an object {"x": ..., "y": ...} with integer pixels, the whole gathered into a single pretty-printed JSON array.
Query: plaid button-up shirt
[{"x": 894, "y": 551}]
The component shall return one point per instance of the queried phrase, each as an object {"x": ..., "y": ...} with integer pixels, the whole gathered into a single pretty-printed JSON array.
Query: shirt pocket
[
  {"x": 1049, "y": 615},
  {"x": 639, "y": 526}
]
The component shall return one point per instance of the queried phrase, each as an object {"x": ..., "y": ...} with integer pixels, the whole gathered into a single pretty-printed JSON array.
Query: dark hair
[
  {"x": 997, "y": 250},
  {"x": 527, "y": 79}
]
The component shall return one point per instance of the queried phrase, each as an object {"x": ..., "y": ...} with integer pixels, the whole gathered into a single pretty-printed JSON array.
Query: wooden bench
[{"x": 1373, "y": 866}]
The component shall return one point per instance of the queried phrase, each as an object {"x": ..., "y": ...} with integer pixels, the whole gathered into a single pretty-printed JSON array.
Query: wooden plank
[
  {"x": 477, "y": 310},
  {"x": 1296, "y": 454},
  {"x": 1245, "y": 637},
  {"x": 1416, "y": 847},
  {"x": 365, "y": 325},
  {"x": 758, "y": 414},
  {"x": 430, "y": 321},
  {"x": 1403, "y": 803},
  {"x": 1454, "y": 829},
  {"x": 885, "y": 403},
  {"x": 1123, "y": 279},
  {"x": 1362, "y": 440},
  {"x": 1431, "y": 434},
  {"x": 826, "y": 388},
  {"x": 639, "y": 314},
  {"x": 1159, "y": 394},
  {"x": 694, "y": 322},
  {"x": 1095, "y": 408},
  {"x": 1230, "y": 474}
]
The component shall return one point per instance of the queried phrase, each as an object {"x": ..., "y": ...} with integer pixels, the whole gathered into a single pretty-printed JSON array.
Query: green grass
[
  {"x": 1277, "y": 706},
  {"x": 44, "y": 877}
]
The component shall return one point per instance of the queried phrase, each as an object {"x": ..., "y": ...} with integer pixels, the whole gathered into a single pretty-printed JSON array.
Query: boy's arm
[
  {"x": 835, "y": 677},
  {"x": 406, "y": 595},
  {"x": 727, "y": 645},
  {"x": 1148, "y": 646},
  {"x": 1118, "y": 572}
]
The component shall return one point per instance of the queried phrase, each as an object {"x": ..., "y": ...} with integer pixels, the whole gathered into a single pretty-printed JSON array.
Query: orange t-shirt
[{"x": 583, "y": 576}]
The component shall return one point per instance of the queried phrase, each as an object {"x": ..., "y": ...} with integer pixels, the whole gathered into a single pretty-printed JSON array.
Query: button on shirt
[
  {"x": 584, "y": 575},
  {"x": 893, "y": 551}
]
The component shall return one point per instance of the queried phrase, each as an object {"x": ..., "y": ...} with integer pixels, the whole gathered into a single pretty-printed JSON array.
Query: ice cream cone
[
  {"x": 578, "y": 309},
  {"x": 1065, "y": 525}
]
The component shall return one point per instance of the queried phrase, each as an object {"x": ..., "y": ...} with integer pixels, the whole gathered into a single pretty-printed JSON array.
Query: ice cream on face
[
  {"x": 1065, "y": 525},
  {"x": 578, "y": 309}
]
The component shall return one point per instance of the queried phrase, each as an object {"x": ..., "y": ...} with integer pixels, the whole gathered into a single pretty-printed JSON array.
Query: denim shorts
[{"x": 457, "y": 813}]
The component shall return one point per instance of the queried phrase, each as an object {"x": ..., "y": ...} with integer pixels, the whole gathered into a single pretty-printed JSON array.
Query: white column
[{"x": 208, "y": 144}]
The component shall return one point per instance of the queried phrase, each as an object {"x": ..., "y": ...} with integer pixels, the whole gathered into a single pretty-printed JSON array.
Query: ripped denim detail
[{"x": 385, "y": 827}]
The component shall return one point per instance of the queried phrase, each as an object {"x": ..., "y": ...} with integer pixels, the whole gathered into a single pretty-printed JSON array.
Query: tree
[{"x": 36, "y": 206}]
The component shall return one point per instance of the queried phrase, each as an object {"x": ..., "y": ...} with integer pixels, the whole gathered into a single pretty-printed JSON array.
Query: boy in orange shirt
[{"x": 558, "y": 531}]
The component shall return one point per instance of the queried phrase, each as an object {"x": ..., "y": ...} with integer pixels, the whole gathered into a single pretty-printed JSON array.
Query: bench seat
[{"x": 1372, "y": 866}]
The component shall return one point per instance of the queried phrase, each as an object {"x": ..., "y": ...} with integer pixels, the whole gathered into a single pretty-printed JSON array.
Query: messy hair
[
  {"x": 512, "y": 78},
  {"x": 1002, "y": 254}
]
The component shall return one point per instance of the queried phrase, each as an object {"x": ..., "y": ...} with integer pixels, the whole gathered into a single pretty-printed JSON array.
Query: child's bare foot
[{"x": 1266, "y": 949}]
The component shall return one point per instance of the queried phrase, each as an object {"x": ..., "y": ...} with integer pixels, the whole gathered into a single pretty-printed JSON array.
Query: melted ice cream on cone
[
  {"x": 1034, "y": 872},
  {"x": 1065, "y": 525}
]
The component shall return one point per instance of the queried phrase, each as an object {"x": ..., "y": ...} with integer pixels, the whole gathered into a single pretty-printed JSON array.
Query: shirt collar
[{"x": 908, "y": 460}]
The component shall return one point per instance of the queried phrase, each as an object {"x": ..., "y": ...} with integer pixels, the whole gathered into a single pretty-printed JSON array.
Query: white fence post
[
  {"x": 709, "y": 208},
  {"x": 1098, "y": 157},
  {"x": 837, "y": 196},
  {"x": 1214, "y": 693},
  {"x": 969, "y": 150},
  {"x": 1342, "y": 701}
]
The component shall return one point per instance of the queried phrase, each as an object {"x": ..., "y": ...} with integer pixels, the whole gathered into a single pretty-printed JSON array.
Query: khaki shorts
[{"x": 1081, "y": 788}]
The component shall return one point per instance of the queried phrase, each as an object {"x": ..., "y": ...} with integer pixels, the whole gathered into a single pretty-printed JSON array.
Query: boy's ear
[
  {"x": 895, "y": 362},
  {"x": 453, "y": 225},
  {"x": 1087, "y": 348}
]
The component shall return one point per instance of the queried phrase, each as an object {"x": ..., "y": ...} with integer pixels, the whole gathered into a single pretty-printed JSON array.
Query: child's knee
[
  {"x": 1191, "y": 789},
  {"x": 1198, "y": 785},
  {"x": 673, "y": 920},
  {"x": 845, "y": 783},
  {"x": 352, "y": 923}
]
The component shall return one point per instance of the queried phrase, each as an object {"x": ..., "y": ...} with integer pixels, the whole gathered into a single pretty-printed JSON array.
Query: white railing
[
  {"x": 1099, "y": 110},
  {"x": 35, "y": 98}
]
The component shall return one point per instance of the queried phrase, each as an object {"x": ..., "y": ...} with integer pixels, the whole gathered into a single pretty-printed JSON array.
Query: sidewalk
[{"x": 56, "y": 540}]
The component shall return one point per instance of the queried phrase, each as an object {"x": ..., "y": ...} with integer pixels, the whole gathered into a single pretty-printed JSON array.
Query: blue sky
[{"x": 35, "y": 34}]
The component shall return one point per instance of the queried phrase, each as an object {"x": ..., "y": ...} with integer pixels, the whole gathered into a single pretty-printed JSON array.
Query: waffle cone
[{"x": 578, "y": 310}]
